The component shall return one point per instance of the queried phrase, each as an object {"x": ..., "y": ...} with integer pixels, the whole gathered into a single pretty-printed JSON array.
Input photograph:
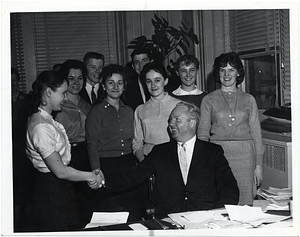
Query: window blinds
[
  {"x": 17, "y": 48},
  {"x": 253, "y": 31},
  {"x": 285, "y": 52},
  {"x": 60, "y": 36}
]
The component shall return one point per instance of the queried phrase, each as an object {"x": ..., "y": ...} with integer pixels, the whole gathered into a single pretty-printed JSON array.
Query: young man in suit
[
  {"x": 136, "y": 92},
  {"x": 205, "y": 182},
  {"x": 93, "y": 89}
]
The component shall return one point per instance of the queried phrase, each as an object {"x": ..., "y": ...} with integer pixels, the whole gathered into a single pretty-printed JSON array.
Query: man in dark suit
[
  {"x": 206, "y": 180},
  {"x": 93, "y": 89},
  {"x": 136, "y": 92}
]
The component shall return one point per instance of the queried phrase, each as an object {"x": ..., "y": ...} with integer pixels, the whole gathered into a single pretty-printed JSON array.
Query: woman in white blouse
[{"x": 48, "y": 148}]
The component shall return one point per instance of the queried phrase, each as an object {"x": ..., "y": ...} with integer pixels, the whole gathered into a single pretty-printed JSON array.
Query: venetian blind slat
[
  {"x": 17, "y": 50},
  {"x": 70, "y": 35}
]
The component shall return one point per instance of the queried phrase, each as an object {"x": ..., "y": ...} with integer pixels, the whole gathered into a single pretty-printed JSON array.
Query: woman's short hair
[
  {"x": 234, "y": 60},
  {"x": 75, "y": 64},
  {"x": 111, "y": 69},
  {"x": 107, "y": 73},
  {"x": 193, "y": 110},
  {"x": 156, "y": 67}
]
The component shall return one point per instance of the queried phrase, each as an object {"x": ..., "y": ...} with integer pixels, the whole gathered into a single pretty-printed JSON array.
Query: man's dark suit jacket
[
  {"x": 84, "y": 95},
  {"x": 210, "y": 183},
  {"x": 133, "y": 95}
]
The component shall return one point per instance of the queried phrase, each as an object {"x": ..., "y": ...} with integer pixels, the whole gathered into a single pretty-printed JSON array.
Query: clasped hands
[{"x": 98, "y": 180}]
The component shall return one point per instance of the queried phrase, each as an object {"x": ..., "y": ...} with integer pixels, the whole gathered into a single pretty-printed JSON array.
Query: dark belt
[{"x": 74, "y": 144}]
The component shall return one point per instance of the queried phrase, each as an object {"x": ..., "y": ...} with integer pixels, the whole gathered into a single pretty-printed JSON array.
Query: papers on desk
[
  {"x": 279, "y": 198},
  {"x": 275, "y": 193},
  {"x": 197, "y": 219},
  {"x": 232, "y": 216},
  {"x": 253, "y": 216},
  {"x": 138, "y": 226},
  {"x": 107, "y": 218}
]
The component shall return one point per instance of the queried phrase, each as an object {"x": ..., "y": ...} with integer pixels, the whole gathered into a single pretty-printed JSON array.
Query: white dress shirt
[
  {"x": 180, "y": 91},
  {"x": 89, "y": 88},
  {"x": 189, "y": 147},
  {"x": 142, "y": 90}
]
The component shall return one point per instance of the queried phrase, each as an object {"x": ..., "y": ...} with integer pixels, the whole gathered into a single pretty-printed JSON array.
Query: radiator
[{"x": 277, "y": 163}]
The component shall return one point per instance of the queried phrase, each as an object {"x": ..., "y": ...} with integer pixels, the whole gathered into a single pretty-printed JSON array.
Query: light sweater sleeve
[
  {"x": 255, "y": 130},
  {"x": 138, "y": 140},
  {"x": 93, "y": 136},
  {"x": 203, "y": 132}
]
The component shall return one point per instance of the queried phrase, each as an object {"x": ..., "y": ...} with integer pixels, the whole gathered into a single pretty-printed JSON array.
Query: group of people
[{"x": 112, "y": 129}]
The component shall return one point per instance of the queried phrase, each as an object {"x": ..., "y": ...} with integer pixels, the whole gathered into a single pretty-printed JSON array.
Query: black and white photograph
[{"x": 150, "y": 118}]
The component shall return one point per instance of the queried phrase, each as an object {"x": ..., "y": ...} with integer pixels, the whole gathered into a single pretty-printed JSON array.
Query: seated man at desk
[{"x": 204, "y": 182}]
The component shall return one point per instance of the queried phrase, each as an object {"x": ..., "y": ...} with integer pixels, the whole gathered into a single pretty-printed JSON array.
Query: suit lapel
[{"x": 84, "y": 95}]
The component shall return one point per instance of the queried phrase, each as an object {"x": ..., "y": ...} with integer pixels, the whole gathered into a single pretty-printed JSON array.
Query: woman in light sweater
[
  {"x": 151, "y": 118},
  {"x": 229, "y": 117}
]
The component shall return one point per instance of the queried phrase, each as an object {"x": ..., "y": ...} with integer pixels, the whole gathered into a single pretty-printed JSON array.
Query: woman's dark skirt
[
  {"x": 54, "y": 203},
  {"x": 85, "y": 196}
]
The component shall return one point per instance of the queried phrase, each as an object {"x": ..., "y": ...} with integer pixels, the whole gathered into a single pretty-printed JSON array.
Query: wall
[
  {"x": 138, "y": 23},
  {"x": 121, "y": 27},
  {"x": 216, "y": 41}
]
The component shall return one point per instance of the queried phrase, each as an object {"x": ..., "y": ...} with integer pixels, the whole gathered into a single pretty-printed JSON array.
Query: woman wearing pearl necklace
[{"x": 229, "y": 117}]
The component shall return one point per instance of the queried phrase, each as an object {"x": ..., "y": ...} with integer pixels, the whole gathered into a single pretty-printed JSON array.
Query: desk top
[{"x": 169, "y": 224}]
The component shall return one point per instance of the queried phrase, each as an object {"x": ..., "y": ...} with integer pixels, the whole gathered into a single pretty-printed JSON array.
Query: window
[
  {"x": 261, "y": 38},
  {"x": 60, "y": 36},
  {"x": 262, "y": 82}
]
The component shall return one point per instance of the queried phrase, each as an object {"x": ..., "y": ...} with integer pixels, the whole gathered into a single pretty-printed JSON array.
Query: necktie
[
  {"x": 182, "y": 161},
  {"x": 93, "y": 95}
]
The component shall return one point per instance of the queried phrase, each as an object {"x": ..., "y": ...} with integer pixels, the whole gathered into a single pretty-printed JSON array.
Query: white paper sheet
[
  {"x": 251, "y": 215},
  {"x": 238, "y": 217},
  {"x": 197, "y": 219},
  {"x": 138, "y": 226},
  {"x": 107, "y": 218}
]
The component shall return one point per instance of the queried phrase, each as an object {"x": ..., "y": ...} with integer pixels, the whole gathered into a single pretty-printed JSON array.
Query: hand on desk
[{"x": 99, "y": 180}]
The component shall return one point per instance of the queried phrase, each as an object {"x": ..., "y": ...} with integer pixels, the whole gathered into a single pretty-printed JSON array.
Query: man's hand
[{"x": 98, "y": 181}]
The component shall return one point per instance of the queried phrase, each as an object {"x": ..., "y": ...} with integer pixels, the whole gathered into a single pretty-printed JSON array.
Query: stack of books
[{"x": 279, "y": 198}]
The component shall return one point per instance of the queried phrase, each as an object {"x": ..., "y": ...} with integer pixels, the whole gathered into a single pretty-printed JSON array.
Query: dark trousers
[{"x": 126, "y": 200}]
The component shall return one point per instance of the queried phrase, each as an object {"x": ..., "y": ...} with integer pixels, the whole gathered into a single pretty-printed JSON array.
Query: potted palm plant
[{"x": 166, "y": 41}]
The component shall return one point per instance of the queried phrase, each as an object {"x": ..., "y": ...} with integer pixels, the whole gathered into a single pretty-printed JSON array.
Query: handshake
[{"x": 98, "y": 181}]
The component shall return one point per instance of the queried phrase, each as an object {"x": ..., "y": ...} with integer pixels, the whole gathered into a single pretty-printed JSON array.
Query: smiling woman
[
  {"x": 151, "y": 118},
  {"x": 72, "y": 116},
  {"x": 229, "y": 117},
  {"x": 109, "y": 134},
  {"x": 49, "y": 150}
]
